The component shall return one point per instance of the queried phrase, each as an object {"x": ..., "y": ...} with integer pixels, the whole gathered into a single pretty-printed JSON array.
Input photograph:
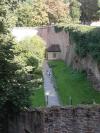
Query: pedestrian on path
[{"x": 48, "y": 73}]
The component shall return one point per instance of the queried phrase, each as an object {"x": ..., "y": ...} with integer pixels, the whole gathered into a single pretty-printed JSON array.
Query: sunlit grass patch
[
  {"x": 38, "y": 99},
  {"x": 73, "y": 84}
]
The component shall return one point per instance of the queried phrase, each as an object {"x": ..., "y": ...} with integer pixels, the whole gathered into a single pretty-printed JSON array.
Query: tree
[
  {"x": 15, "y": 91},
  {"x": 57, "y": 11},
  {"x": 8, "y": 86},
  {"x": 89, "y": 10},
  {"x": 32, "y": 15},
  {"x": 29, "y": 1},
  {"x": 75, "y": 10},
  {"x": 28, "y": 49},
  {"x": 24, "y": 14},
  {"x": 40, "y": 15},
  {"x": 42, "y": 12},
  {"x": 98, "y": 12},
  {"x": 66, "y": 1},
  {"x": 30, "y": 59}
]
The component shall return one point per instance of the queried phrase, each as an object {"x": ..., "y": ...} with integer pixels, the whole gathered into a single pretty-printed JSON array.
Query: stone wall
[
  {"x": 51, "y": 37},
  {"x": 83, "y": 119},
  {"x": 87, "y": 64},
  {"x": 47, "y": 33},
  {"x": 68, "y": 53},
  {"x": 26, "y": 122}
]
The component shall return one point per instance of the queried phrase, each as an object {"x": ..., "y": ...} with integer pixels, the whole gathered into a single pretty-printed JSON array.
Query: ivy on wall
[{"x": 87, "y": 39}]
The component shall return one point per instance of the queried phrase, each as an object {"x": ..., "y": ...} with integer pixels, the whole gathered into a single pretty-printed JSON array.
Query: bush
[
  {"x": 30, "y": 59},
  {"x": 22, "y": 74}
]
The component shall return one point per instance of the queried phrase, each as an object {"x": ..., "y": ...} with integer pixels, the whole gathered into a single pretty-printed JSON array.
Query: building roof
[{"x": 54, "y": 48}]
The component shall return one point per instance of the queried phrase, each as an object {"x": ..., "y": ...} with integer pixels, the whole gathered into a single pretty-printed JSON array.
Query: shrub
[{"x": 30, "y": 58}]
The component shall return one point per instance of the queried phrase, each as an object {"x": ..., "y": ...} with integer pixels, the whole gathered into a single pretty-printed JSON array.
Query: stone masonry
[{"x": 81, "y": 119}]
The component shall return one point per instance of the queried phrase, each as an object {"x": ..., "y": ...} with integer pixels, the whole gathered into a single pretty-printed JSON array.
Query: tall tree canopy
[
  {"x": 24, "y": 14},
  {"x": 89, "y": 9},
  {"x": 15, "y": 76},
  {"x": 57, "y": 11},
  {"x": 32, "y": 14},
  {"x": 13, "y": 92},
  {"x": 42, "y": 12},
  {"x": 75, "y": 10},
  {"x": 40, "y": 16}
]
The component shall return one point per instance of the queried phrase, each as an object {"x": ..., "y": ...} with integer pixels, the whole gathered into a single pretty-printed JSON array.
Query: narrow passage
[{"x": 50, "y": 93}]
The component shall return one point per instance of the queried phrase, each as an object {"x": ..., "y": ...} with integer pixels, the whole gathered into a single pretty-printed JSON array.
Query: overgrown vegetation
[
  {"x": 73, "y": 84},
  {"x": 20, "y": 67},
  {"x": 11, "y": 86},
  {"x": 29, "y": 55},
  {"x": 64, "y": 11},
  {"x": 31, "y": 14},
  {"x": 87, "y": 39},
  {"x": 40, "y": 12},
  {"x": 75, "y": 10}
]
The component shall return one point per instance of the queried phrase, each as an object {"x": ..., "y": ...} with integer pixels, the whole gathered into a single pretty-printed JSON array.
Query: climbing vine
[{"x": 87, "y": 39}]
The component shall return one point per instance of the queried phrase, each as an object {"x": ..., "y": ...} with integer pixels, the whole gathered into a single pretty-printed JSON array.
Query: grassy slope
[
  {"x": 38, "y": 99},
  {"x": 74, "y": 84}
]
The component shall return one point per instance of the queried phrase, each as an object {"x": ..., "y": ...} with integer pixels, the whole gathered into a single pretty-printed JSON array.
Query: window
[{"x": 54, "y": 55}]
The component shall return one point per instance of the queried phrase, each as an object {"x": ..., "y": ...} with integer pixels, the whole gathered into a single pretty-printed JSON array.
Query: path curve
[{"x": 50, "y": 93}]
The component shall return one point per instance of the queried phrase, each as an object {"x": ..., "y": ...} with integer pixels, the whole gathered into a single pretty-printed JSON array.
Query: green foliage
[
  {"x": 73, "y": 84},
  {"x": 32, "y": 15},
  {"x": 29, "y": 1},
  {"x": 19, "y": 66},
  {"x": 89, "y": 9},
  {"x": 30, "y": 59},
  {"x": 87, "y": 40},
  {"x": 24, "y": 13},
  {"x": 42, "y": 12},
  {"x": 38, "y": 99},
  {"x": 14, "y": 92},
  {"x": 33, "y": 47},
  {"x": 20, "y": 72},
  {"x": 58, "y": 28},
  {"x": 40, "y": 15},
  {"x": 98, "y": 13},
  {"x": 6, "y": 16},
  {"x": 58, "y": 11},
  {"x": 75, "y": 10}
]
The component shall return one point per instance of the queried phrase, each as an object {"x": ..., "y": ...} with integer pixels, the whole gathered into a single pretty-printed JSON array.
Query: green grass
[
  {"x": 74, "y": 84},
  {"x": 38, "y": 99}
]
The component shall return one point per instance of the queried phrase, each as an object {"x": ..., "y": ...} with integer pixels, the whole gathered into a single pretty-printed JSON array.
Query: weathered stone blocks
[{"x": 81, "y": 119}]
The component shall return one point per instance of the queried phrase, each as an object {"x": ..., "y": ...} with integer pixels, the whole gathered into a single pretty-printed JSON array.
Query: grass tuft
[{"x": 38, "y": 99}]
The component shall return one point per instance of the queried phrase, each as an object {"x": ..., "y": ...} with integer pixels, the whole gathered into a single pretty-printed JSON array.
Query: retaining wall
[{"x": 83, "y": 119}]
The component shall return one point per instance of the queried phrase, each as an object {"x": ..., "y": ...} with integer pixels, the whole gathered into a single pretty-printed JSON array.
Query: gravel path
[{"x": 50, "y": 93}]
